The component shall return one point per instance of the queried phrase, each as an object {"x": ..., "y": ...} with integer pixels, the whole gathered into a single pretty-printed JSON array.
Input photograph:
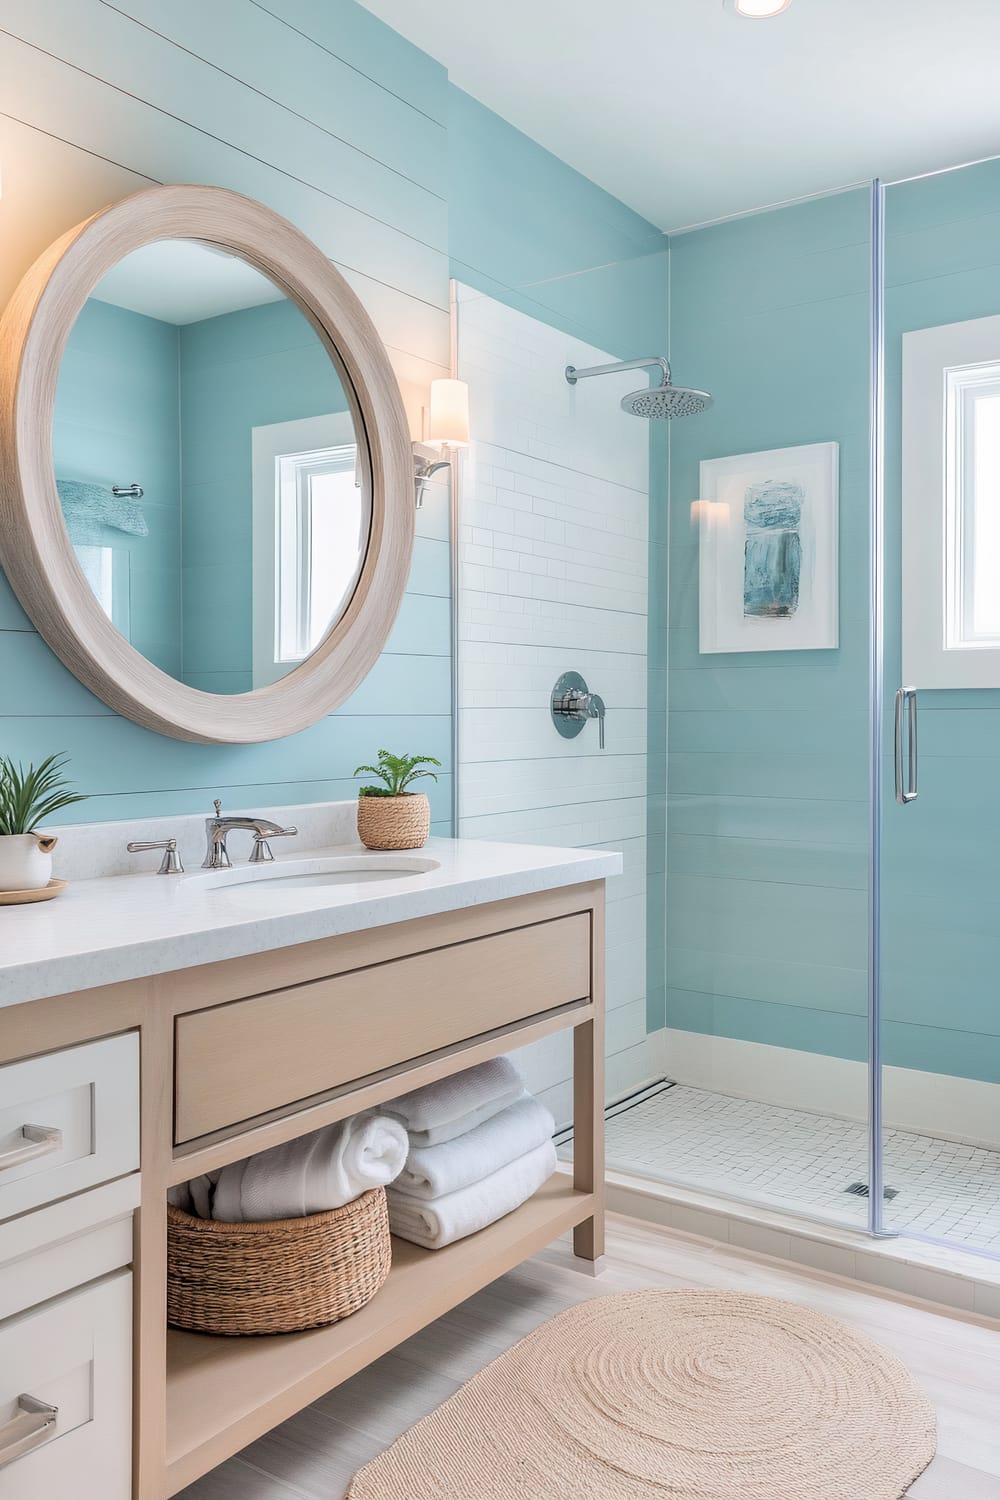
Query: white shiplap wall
[{"x": 553, "y": 577}]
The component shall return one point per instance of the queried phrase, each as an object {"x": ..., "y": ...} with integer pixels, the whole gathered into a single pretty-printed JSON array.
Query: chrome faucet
[{"x": 219, "y": 828}]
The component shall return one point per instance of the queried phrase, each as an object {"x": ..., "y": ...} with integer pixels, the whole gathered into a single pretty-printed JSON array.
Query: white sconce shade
[
  {"x": 709, "y": 515},
  {"x": 448, "y": 414},
  {"x": 758, "y": 10}
]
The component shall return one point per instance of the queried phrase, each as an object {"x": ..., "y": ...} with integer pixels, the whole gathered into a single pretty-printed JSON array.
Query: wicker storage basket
[
  {"x": 402, "y": 822},
  {"x": 276, "y": 1277}
]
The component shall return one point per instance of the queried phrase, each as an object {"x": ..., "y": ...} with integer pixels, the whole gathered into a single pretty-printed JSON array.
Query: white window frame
[
  {"x": 271, "y": 445},
  {"x": 942, "y": 367}
]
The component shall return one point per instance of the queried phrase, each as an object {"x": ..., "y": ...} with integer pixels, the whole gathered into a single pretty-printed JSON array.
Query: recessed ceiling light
[{"x": 757, "y": 10}]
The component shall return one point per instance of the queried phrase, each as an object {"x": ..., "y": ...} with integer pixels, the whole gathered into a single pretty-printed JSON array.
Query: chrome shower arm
[{"x": 573, "y": 374}]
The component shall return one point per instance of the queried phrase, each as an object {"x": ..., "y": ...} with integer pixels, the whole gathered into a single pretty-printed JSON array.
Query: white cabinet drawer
[
  {"x": 68, "y": 1121},
  {"x": 73, "y": 1353}
]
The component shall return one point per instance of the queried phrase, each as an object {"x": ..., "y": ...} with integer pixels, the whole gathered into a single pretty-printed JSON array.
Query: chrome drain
[{"x": 860, "y": 1190}]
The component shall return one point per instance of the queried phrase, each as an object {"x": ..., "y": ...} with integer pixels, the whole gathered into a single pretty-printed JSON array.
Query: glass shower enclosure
[{"x": 827, "y": 1027}]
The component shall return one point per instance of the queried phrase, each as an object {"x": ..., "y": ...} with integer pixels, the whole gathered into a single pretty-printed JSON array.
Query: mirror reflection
[{"x": 208, "y": 468}]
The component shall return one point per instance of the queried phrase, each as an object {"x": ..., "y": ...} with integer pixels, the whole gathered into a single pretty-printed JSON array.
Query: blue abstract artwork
[{"x": 772, "y": 560}]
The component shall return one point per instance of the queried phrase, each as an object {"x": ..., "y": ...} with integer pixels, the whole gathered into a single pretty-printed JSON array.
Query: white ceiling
[
  {"x": 688, "y": 113},
  {"x": 184, "y": 281}
]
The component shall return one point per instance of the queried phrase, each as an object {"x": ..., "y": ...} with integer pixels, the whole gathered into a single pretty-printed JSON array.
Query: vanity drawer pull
[
  {"x": 69, "y": 1120},
  {"x": 40, "y": 1140},
  {"x": 34, "y": 1424}
]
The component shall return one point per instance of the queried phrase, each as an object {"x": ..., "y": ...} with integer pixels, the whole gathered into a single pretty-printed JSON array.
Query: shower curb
[{"x": 957, "y": 1279}]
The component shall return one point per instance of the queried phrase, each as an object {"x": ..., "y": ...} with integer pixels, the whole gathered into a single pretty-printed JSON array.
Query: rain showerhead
[
  {"x": 666, "y": 401},
  {"x": 661, "y": 401}
]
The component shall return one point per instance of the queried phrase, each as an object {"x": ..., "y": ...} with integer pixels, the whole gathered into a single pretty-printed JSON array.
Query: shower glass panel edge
[{"x": 876, "y": 667}]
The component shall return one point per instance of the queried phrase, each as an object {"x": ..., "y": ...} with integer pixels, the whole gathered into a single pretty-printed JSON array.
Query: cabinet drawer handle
[
  {"x": 40, "y": 1140},
  {"x": 35, "y": 1422}
]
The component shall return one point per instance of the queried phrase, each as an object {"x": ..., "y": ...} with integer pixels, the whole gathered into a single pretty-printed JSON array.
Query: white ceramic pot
[{"x": 25, "y": 861}]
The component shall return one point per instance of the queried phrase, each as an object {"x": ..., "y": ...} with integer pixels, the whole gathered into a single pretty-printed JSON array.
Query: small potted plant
[
  {"x": 390, "y": 817},
  {"x": 27, "y": 796}
]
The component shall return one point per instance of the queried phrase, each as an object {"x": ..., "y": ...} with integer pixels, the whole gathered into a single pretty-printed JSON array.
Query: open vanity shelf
[
  {"x": 240, "y": 1055},
  {"x": 224, "y": 1392}
]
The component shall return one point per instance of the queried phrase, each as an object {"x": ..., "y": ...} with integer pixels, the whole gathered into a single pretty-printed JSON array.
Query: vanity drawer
[
  {"x": 73, "y": 1353},
  {"x": 68, "y": 1121},
  {"x": 251, "y": 1056}
]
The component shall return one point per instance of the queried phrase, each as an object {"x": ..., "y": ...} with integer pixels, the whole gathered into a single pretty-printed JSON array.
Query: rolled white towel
[
  {"x": 432, "y": 1171},
  {"x": 441, "y": 1111},
  {"x": 317, "y": 1172},
  {"x": 436, "y": 1222}
]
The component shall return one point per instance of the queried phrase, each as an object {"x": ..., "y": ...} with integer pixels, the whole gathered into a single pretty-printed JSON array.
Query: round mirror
[
  {"x": 207, "y": 504},
  {"x": 212, "y": 483}
]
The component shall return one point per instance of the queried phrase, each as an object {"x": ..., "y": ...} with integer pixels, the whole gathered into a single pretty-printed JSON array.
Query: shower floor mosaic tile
[{"x": 794, "y": 1160}]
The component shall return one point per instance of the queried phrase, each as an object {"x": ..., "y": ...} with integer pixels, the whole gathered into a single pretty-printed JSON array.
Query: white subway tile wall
[{"x": 552, "y": 578}]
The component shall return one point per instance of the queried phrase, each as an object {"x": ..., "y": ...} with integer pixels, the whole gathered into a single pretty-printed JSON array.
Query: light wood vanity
[{"x": 229, "y": 1058}]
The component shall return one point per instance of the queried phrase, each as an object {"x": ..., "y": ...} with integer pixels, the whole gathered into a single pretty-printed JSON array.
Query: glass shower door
[
  {"x": 939, "y": 930},
  {"x": 760, "y": 1014}
]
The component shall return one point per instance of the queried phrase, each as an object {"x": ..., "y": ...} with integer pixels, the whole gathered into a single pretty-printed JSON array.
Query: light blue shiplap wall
[
  {"x": 329, "y": 117},
  {"x": 767, "y": 772},
  {"x": 321, "y": 111}
]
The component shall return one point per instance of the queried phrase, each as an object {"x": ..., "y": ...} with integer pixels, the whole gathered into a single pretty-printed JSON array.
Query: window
[
  {"x": 107, "y": 570},
  {"x": 310, "y": 532},
  {"x": 972, "y": 485},
  {"x": 318, "y": 535},
  {"x": 951, "y": 505}
]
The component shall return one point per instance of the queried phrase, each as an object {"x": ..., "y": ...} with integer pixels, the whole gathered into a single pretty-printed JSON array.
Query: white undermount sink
[{"x": 317, "y": 874}]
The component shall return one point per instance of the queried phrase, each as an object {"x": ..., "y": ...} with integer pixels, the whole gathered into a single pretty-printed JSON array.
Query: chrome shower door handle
[{"x": 906, "y": 697}]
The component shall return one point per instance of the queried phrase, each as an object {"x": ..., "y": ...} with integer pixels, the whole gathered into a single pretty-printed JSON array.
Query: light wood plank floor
[{"x": 314, "y": 1455}]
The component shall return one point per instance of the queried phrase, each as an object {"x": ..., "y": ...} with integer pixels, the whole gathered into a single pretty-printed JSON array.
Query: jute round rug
[{"x": 691, "y": 1395}]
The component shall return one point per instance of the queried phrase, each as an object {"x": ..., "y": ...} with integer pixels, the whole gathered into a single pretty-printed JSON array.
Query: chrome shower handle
[
  {"x": 596, "y": 710},
  {"x": 906, "y": 697}
]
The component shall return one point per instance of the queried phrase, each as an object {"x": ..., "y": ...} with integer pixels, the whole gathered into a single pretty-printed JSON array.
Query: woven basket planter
[
  {"x": 402, "y": 822},
  {"x": 276, "y": 1277}
]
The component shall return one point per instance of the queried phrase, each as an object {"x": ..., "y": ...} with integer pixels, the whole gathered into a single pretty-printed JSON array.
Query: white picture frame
[{"x": 768, "y": 550}]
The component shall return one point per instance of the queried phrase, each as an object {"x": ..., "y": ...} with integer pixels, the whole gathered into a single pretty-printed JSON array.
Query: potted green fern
[
  {"x": 27, "y": 796},
  {"x": 389, "y": 816}
]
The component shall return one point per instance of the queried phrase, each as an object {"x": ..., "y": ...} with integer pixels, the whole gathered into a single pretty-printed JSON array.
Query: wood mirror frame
[{"x": 35, "y": 549}]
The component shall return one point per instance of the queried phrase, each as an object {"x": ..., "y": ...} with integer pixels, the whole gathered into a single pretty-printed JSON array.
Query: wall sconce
[{"x": 446, "y": 429}]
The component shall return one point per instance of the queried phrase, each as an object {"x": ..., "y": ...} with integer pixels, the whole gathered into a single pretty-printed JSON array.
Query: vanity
[{"x": 156, "y": 1027}]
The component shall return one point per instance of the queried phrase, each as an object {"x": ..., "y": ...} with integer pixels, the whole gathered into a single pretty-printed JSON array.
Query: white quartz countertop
[{"x": 130, "y": 926}]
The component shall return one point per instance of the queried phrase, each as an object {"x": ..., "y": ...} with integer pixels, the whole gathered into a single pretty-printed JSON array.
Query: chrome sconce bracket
[{"x": 426, "y": 463}]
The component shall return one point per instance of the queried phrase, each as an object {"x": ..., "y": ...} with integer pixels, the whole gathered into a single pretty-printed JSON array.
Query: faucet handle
[
  {"x": 261, "y": 852},
  {"x": 170, "y": 864}
]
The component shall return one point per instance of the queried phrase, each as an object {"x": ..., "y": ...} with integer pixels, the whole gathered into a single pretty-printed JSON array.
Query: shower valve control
[{"x": 573, "y": 705}]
